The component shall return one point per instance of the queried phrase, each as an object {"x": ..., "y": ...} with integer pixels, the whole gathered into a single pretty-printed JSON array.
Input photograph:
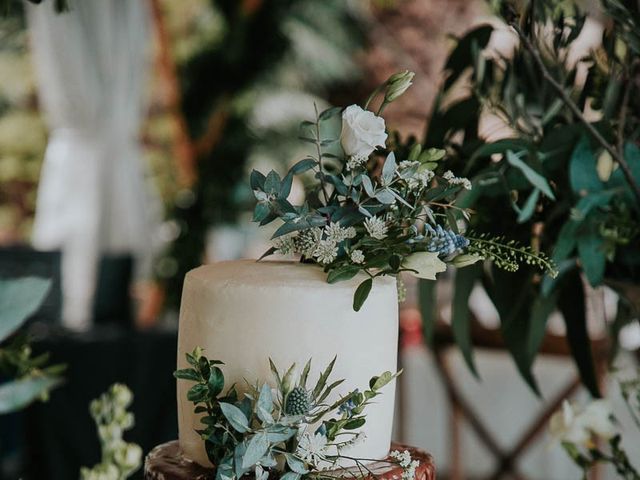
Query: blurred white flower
[
  {"x": 578, "y": 426},
  {"x": 362, "y": 132}
]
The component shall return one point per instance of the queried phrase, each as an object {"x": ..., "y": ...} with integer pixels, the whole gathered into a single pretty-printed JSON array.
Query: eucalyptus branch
[{"x": 615, "y": 154}]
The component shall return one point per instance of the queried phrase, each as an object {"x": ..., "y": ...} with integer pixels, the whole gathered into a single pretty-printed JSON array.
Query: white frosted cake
[{"x": 245, "y": 312}]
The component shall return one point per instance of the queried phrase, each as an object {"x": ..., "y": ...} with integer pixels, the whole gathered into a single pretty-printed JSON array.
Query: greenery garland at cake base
[{"x": 293, "y": 429}]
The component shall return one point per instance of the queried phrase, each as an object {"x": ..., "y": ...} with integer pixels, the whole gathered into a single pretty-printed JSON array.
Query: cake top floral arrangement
[{"x": 368, "y": 211}]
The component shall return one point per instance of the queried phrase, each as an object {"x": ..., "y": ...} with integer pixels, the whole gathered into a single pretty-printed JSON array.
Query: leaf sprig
[{"x": 292, "y": 429}]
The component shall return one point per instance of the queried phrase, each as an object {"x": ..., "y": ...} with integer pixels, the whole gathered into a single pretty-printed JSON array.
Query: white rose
[
  {"x": 362, "y": 132},
  {"x": 427, "y": 264}
]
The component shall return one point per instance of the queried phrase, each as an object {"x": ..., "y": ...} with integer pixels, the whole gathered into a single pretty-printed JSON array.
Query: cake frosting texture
[{"x": 245, "y": 312}]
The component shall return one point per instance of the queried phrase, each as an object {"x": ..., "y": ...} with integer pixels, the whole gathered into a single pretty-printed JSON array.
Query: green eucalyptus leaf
[
  {"x": 529, "y": 207},
  {"x": 256, "y": 449},
  {"x": 303, "y": 165},
  {"x": 460, "y": 317},
  {"x": 236, "y": 418},
  {"x": 583, "y": 174},
  {"x": 530, "y": 174},
  {"x": 265, "y": 400},
  {"x": 571, "y": 302},
  {"x": 389, "y": 168},
  {"x": 385, "y": 196},
  {"x": 257, "y": 180},
  {"x": 238, "y": 455},
  {"x": 272, "y": 183},
  {"x": 295, "y": 464},
  {"x": 592, "y": 257},
  {"x": 330, "y": 112},
  {"x": 290, "y": 476},
  {"x": 361, "y": 294},
  {"x": 261, "y": 211},
  {"x": 285, "y": 186},
  {"x": 368, "y": 186},
  {"x": 19, "y": 299},
  {"x": 17, "y": 394}
]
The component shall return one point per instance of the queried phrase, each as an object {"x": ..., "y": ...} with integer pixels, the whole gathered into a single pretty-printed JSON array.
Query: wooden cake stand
[{"x": 166, "y": 462}]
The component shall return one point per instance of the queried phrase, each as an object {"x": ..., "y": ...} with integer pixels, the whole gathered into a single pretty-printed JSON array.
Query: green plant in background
[
  {"x": 293, "y": 430},
  {"x": 28, "y": 377},
  {"x": 560, "y": 173},
  {"x": 119, "y": 458},
  {"x": 582, "y": 431},
  {"x": 359, "y": 218},
  {"x": 261, "y": 52}
]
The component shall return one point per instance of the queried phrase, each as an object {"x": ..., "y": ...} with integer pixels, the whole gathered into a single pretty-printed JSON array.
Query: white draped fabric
[{"x": 92, "y": 197}]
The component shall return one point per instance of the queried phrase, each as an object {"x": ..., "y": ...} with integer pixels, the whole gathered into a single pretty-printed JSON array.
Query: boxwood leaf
[{"x": 361, "y": 294}]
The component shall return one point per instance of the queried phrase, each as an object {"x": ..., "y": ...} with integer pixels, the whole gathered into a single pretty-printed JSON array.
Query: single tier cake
[{"x": 245, "y": 312}]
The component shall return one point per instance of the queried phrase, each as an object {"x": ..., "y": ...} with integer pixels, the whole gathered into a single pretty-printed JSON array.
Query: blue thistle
[{"x": 445, "y": 242}]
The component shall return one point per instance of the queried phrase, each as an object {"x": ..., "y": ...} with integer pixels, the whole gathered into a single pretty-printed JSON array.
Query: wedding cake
[{"x": 245, "y": 312}]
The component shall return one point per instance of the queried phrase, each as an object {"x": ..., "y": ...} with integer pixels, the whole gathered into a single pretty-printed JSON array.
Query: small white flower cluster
[
  {"x": 420, "y": 180},
  {"x": 357, "y": 256},
  {"x": 119, "y": 458},
  {"x": 356, "y": 161},
  {"x": 335, "y": 233},
  {"x": 408, "y": 465},
  {"x": 319, "y": 243},
  {"x": 453, "y": 180},
  {"x": 376, "y": 227}
]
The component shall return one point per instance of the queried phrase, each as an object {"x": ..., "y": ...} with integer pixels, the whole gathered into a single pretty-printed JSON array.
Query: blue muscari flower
[{"x": 445, "y": 242}]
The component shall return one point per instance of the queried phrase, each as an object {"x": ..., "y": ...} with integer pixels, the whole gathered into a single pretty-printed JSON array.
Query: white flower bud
[{"x": 397, "y": 84}]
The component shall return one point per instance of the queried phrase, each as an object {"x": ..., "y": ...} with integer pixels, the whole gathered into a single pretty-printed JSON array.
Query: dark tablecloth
[{"x": 60, "y": 434}]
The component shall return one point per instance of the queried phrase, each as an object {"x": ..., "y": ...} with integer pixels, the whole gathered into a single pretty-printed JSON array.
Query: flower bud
[{"x": 397, "y": 84}]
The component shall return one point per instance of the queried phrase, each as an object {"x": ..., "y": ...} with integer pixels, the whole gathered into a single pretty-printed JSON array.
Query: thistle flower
[
  {"x": 376, "y": 227},
  {"x": 326, "y": 252}
]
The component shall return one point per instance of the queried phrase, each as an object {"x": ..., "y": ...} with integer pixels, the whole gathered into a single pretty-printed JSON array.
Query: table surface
[{"x": 166, "y": 462}]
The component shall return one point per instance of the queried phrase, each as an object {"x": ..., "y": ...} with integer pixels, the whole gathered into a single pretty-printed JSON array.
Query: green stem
[{"x": 373, "y": 95}]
